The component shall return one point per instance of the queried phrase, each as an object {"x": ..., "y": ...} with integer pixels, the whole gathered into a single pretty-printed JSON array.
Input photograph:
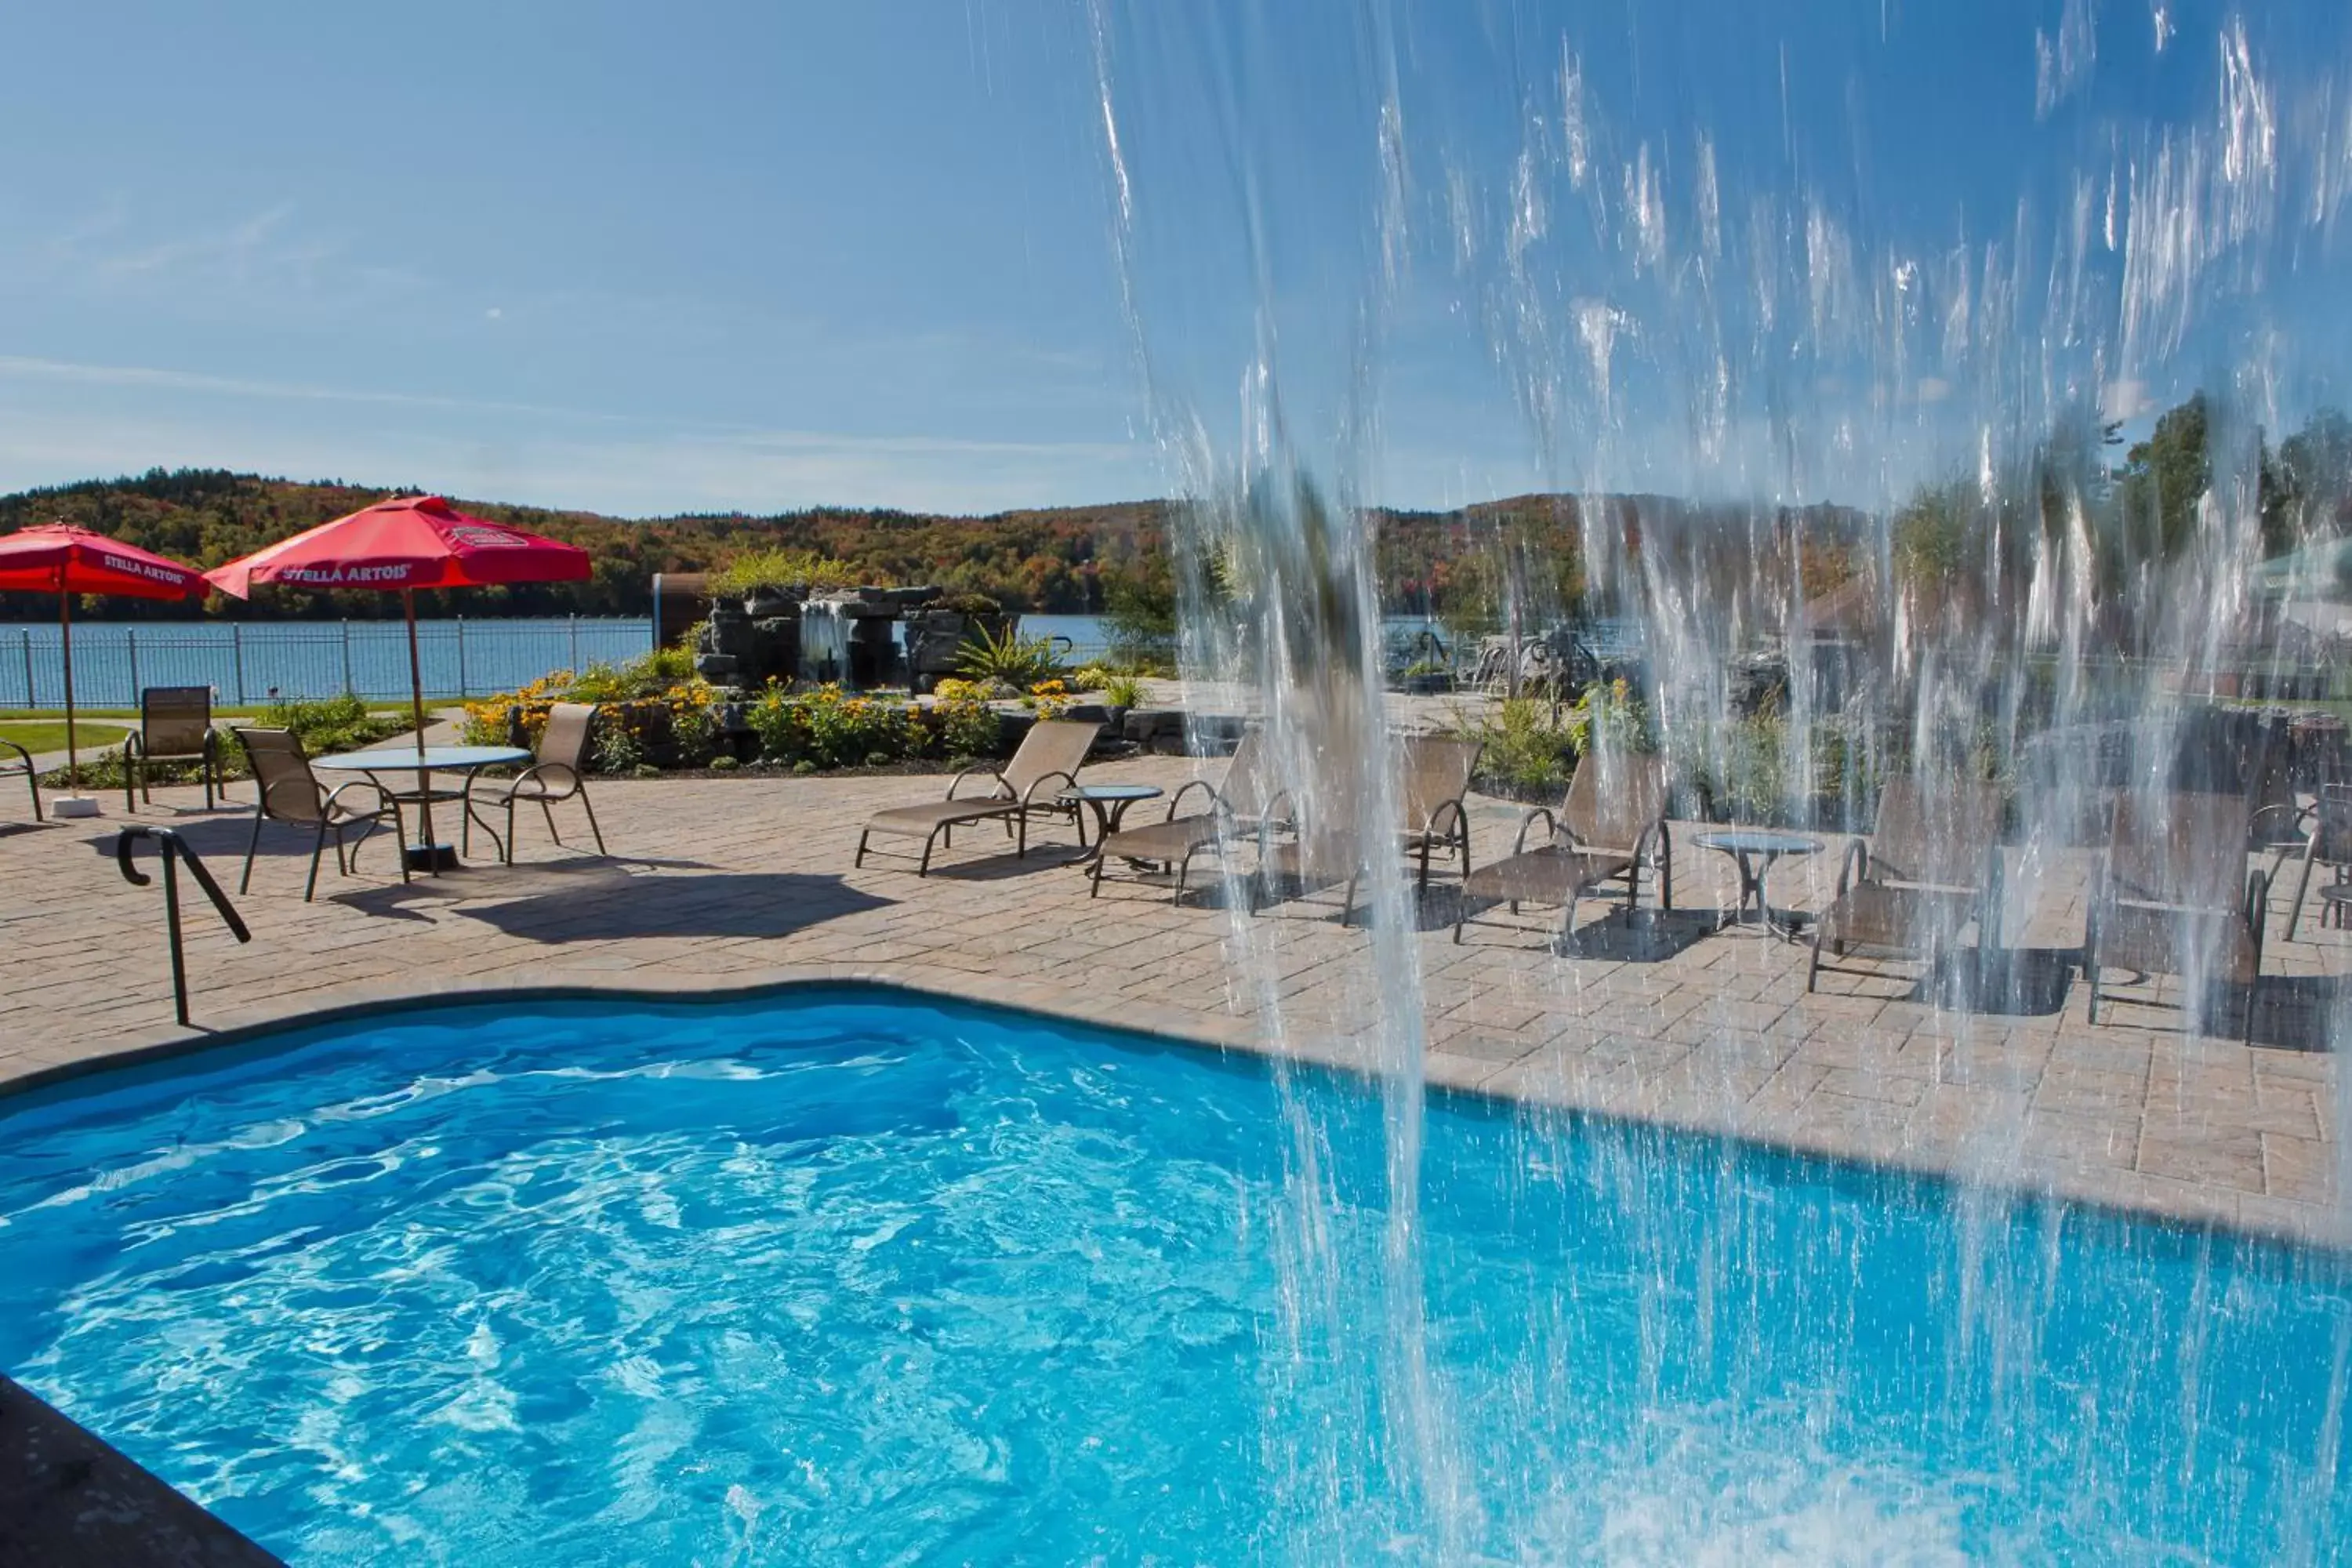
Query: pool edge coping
[{"x": 1166, "y": 1023}]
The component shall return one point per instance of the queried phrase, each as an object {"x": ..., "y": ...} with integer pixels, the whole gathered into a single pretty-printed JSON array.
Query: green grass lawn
[
  {"x": 49, "y": 735},
  {"x": 44, "y": 715}
]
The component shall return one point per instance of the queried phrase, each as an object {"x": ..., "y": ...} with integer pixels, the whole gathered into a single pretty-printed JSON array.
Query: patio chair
[
  {"x": 1600, "y": 834},
  {"x": 176, "y": 725},
  {"x": 1046, "y": 764},
  {"x": 21, "y": 765},
  {"x": 1930, "y": 867},
  {"x": 2327, "y": 841},
  {"x": 559, "y": 773},
  {"x": 1434, "y": 817},
  {"x": 2173, "y": 896},
  {"x": 288, "y": 792},
  {"x": 1248, "y": 797}
]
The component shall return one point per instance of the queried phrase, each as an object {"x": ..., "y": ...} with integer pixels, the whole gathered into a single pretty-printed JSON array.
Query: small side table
[
  {"x": 1753, "y": 850},
  {"x": 1108, "y": 803},
  {"x": 2335, "y": 905}
]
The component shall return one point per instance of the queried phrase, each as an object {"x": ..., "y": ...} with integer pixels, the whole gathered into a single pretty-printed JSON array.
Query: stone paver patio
[{"x": 735, "y": 882}]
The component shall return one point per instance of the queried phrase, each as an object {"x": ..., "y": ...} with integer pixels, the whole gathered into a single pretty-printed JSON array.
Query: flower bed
[{"x": 650, "y": 722}]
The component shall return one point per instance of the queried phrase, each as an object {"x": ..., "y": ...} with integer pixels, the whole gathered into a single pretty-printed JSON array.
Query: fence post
[
  {"x": 461, "y": 658},
  {"x": 575, "y": 643},
  {"x": 130, "y": 641},
  {"x": 30, "y": 699},
  {"x": 349, "y": 689},
  {"x": 237, "y": 647}
]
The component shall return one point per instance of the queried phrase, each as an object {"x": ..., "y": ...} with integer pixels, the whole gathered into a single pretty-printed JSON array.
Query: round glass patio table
[
  {"x": 1753, "y": 850},
  {"x": 1109, "y": 804},
  {"x": 426, "y": 854}
]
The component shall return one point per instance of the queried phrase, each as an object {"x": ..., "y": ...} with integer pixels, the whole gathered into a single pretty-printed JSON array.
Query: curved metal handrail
[{"x": 174, "y": 850}]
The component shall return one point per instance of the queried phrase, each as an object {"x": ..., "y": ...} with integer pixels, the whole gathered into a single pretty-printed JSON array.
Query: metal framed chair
[
  {"x": 176, "y": 725},
  {"x": 2327, "y": 841},
  {"x": 2173, "y": 894},
  {"x": 1030, "y": 784},
  {"x": 1931, "y": 868},
  {"x": 288, "y": 792},
  {"x": 559, "y": 775},
  {"x": 1610, "y": 826},
  {"x": 21, "y": 765},
  {"x": 1247, "y": 797},
  {"x": 1434, "y": 817}
]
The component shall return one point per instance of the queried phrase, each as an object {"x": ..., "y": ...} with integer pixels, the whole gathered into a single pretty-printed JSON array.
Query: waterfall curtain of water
[{"x": 1887, "y": 298}]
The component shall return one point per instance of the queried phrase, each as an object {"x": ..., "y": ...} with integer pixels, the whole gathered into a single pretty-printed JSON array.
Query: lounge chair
[
  {"x": 1610, "y": 829},
  {"x": 21, "y": 765},
  {"x": 287, "y": 790},
  {"x": 1046, "y": 764},
  {"x": 1930, "y": 868},
  {"x": 1435, "y": 812},
  {"x": 1248, "y": 797},
  {"x": 176, "y": 725},
  {"x": 2173, "y": 896},
  {"x": 558, "y": 774}
]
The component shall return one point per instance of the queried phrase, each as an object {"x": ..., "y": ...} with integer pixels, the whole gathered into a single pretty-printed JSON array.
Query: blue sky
[{"x": 763, "y": 255}]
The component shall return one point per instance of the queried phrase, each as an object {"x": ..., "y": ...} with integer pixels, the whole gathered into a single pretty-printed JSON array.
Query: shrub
[
  {"x": 830, "y": 729},
  {"x": 616, "y": 750},
  {"x": 966, "y": 727},
  {"x": 1048, "y": 699},
  {"x": 966, "y": 604},
  {"x": 1093, "y": 678},
  {"x": 1614, "y": 719},
  {"x": 666, "y": 710},
  {"x": 1020, "y": 662},
  {"x": 1123, "y": 690},
  {"x": 779, "y": 569},
  {"x": 1527, "y": 753}
]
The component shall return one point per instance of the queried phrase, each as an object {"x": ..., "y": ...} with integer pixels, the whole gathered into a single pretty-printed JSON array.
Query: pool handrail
[{"x": 175, "y": 850}]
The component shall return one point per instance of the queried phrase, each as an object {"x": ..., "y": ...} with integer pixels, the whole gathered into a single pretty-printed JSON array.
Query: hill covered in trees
[{"x": 1069, "y": 559}]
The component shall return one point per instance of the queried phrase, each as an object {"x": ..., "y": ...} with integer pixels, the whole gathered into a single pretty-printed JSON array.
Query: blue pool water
[{"x": 844, "y": 1278}]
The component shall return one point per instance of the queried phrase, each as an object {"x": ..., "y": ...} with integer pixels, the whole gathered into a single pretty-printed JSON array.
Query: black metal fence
[{"x": 247, "y": 662}]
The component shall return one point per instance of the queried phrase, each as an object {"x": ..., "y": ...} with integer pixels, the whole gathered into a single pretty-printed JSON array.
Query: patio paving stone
[{"x": 725, "y": 883}]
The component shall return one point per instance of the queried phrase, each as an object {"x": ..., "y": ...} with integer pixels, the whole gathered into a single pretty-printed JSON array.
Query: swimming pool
[{"x": 846, "y": 1277}]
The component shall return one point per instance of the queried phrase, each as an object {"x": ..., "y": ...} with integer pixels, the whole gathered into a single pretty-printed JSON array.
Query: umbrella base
[
  {"x": 72, "y": 805},
  {"x": 434, "y": 857}
]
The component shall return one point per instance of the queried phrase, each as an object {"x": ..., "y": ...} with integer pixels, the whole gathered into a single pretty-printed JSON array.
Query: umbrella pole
[
  {"x": 75, "y": 803},
  {"x": 431, "y": 852},
  {"x": 65, "y": 646}
]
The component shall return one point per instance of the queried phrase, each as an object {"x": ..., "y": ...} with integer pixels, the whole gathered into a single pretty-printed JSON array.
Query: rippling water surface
[{"x": 845, "y": 1278}]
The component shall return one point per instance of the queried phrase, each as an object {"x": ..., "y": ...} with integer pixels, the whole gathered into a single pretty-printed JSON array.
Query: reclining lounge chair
[
  {"x": 1246, "y": 798},
  {"x": 1436, "y": 818},
  {"x": 1610, "y": 828},
  {"x": 1923, "y": 875},
  {"x": 2173, "y": 896},
  {"x": 1046, "y": 764}
]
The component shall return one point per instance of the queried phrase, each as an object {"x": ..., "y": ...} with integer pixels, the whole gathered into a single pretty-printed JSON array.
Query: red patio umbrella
[
  {"x": 59, "y": 558},
  {"x": 411, "y": 542}
]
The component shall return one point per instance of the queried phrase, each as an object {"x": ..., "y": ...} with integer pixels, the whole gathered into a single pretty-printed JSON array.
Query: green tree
[
  {"x": 2307, "y": 484},
  {"x": 2162, "y": 481}
]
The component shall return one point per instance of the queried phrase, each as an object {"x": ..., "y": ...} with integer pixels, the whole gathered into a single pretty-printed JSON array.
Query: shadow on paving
[
  {"x": 2006, "y": 983},
  {"x": 1051, "y": 856},
  {"x": 2292, "y": 1011},
  {"x": 595, "y": 901},
  {"x": 1653, "y": 936},
  {"x": 222, "y": 840}
]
